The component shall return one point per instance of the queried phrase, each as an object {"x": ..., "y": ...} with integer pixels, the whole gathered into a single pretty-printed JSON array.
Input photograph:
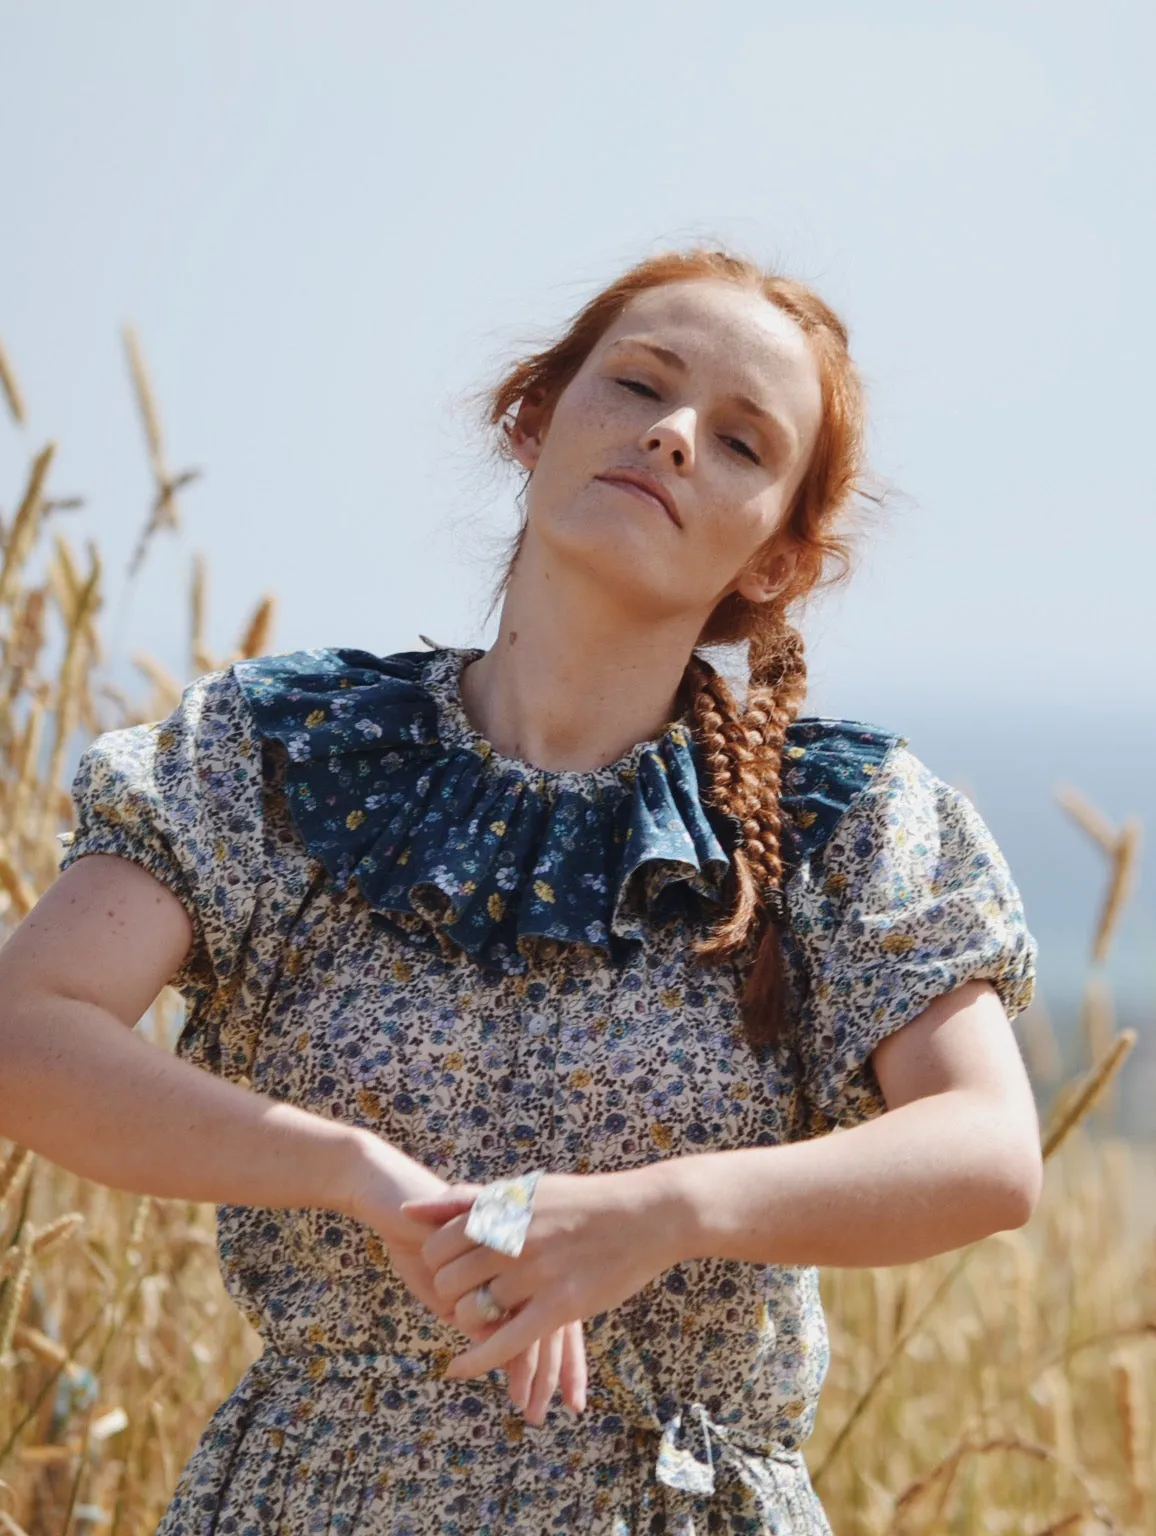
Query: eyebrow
[{"x": 788, "y": 437}]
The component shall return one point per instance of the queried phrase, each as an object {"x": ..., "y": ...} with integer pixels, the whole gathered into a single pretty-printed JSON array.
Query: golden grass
[{"x": 1004, "y": 1388}]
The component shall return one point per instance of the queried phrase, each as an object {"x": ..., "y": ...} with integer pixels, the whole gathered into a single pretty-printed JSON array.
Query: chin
[{"x": 620, "y": 552}]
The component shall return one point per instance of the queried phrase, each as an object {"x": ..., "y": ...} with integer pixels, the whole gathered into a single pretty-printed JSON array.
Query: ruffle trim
[
  {"x": 388, "y": 786},
  {"x": 466, "y": 850}
]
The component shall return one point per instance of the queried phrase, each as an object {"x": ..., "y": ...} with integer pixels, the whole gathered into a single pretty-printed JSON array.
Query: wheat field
[{"x": 1006, "y": 1388}]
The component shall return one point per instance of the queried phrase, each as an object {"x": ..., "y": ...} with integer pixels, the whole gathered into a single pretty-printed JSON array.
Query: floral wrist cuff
[{"x": 500, "y": 1215}]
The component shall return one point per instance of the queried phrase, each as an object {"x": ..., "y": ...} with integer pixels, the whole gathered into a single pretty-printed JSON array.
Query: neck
[{"x": 572, "y": 680}]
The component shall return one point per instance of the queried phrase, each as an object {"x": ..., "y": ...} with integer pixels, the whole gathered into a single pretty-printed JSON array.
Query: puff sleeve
[
  {"x": 182, "y": 797},
  {"x": 909, "y": 898}
]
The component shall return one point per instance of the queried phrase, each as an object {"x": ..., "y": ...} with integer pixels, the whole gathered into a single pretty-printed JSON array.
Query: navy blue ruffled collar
[
  {"x": 389, "y": 784},
  {"x": 464, "y": 849}
]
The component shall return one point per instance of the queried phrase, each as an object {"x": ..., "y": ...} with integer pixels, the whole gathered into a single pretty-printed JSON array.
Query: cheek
[
  {"x": 733, "y": 533},
  {"x": 590, "y": 413}
]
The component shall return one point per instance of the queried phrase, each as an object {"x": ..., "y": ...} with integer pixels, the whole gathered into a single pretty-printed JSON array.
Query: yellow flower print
[
  {"x": 806, "y": 818},
  {"x": 316, "y": 1368},
  {"x": 897, "y": 943},
  {"x": 835, "y": 884},
  {"x": 368, "y": 1103},
  {"x": 543, "y": 891},
  {"x": 670, "y": 998},
  {"x": 403, "y": 858},
  {"x": 316, "y": 718},
  {"x": 455, "y": 1061},
  {"x": 498, "y": 828},
  {"x": 354, "y": 820},
  {"x": 402, "y": 971},
  {"x": 469, "y": 887},
  {"x": 660, "y": 1135},
  {"x": 796, "y": 752},
  {"x": 580, "y": 1078},
  {"x": 165, "y": 739},
  {"x": 496, "y": 907}
]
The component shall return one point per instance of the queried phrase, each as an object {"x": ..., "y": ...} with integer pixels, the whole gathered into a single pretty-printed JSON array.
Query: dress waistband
[{"x": 695, "y": 1453}]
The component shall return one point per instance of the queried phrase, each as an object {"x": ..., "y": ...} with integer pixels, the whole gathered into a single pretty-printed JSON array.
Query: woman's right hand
[
  {"x": 381, "y": 1178},
  {"x": 556, "y": 1362}
]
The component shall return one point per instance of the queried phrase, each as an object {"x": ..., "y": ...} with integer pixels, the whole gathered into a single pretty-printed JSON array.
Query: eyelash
[{"x": 747, "y": 452}]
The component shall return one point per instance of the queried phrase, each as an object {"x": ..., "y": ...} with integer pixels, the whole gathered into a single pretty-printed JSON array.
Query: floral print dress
[{"x": 488, "y": 964}]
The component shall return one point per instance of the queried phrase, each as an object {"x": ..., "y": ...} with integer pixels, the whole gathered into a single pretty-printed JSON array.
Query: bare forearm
[
  {"x": 925, "y": 1178},
  {"x": 78, "y": 1087}
]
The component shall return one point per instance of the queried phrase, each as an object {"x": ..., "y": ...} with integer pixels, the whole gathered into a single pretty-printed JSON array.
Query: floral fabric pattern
[{"x": 338, "y": 834}]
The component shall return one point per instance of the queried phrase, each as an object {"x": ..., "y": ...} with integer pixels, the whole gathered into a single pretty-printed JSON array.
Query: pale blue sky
[{"x": 330, "y": 224}]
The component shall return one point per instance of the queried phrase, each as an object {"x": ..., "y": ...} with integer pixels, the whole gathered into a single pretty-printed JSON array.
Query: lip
[{"x": 640, "y": 481}]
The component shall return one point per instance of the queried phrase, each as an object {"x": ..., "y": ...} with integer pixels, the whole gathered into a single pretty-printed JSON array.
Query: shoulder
[
  {"x": 829, "y": 766},
  {"x": 317, "y": 701}
]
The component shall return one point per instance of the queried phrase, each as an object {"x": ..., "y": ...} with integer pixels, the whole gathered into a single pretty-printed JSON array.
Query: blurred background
[{"x": 330, "y": 225}]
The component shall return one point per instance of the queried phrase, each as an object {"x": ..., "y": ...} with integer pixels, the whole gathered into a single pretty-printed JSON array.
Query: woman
[{"x": 528, "y": 983}]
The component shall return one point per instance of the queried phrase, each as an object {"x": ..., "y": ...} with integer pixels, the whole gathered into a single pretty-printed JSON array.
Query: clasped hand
[{"x": 586, "y": 1251}]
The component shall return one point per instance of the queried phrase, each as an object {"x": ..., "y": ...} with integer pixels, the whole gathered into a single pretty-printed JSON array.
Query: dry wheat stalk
[
  {"x": 22, "y": 534},
  {"x": 1083, "y": 1093},
  {"x": 14, "y": 1290},
  {"x": 197, "y": 649},
  {"x": 10, "y": 388},
  {"x": 259, "y": 632},
  {"x": 1122, "y": 882},
  {"x": 947, "y": 1467},
  {"x": 1130, "y": 1385},
  {"x": 1086, "y": 816},
  {"x": 1098, "y": 1026},
  {"x": 164, "y": 512},
  {"x": 12, "y": 1170}
]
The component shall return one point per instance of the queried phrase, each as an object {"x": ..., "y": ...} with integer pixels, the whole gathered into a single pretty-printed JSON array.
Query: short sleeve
[
  {"x": 182, "y": 797},
  {"x": 910, "y": 898}
]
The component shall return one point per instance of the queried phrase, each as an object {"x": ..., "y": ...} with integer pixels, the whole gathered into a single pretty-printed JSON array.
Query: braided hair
[{"x": 742, "y": 751}]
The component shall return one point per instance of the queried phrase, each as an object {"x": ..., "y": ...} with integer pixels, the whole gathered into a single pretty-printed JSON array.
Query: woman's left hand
[{"x": 593, "y": 1241}]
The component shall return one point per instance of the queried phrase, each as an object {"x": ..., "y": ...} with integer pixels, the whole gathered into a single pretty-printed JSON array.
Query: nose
[{"x": 673, "y": 436}]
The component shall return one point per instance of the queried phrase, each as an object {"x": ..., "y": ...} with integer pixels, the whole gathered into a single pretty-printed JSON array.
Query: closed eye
[{"x": 738, "y": 444}]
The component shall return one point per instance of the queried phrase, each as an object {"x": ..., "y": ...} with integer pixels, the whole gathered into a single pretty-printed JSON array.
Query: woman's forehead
[{"x": 716, "y": 316}]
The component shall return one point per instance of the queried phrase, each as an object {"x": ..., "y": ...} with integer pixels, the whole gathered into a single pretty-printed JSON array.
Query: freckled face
[{"x": 730, "y": 470}]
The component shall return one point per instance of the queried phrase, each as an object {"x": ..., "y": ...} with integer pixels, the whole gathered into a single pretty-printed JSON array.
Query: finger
[
  {"x": 520, "y": 1372},
  {"x": 468, "y": 1314},
  {"x": 573, "y": 1376},
  {"x": 447, "y": 1242},
  {"x": 546, "y": 1376},
  {"x": 457, "y": 1278},
  {"x": 515, "y": 1335},
  {"x": 436, "y": 1210}
]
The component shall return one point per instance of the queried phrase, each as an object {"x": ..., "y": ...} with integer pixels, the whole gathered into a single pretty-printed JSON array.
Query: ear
[
  {"x": 768, "y": 579},
  {"x": 529, "y": 433}
]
